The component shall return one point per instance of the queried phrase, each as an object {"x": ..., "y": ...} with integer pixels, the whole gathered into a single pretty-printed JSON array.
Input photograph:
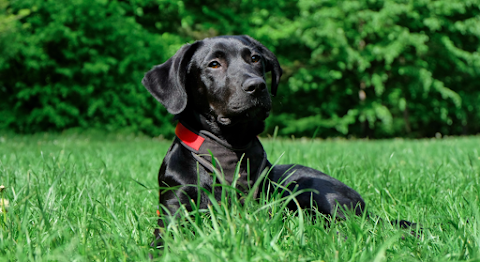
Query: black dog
[{"x": 216, "y": 88}]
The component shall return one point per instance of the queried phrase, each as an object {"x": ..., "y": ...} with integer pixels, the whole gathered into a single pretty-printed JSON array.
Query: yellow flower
[
  {"x": 2, "y": 187},
  {"x": 3, "y": 205}
]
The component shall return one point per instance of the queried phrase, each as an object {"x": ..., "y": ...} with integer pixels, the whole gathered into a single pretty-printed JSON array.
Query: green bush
[
  {"x": 387, "y": 68},
  {"x": 352, "y": 68},
  {"x": 79, "y": 64}
]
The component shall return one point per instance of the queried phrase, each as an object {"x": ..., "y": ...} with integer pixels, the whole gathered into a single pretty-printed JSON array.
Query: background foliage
[{"x": 352, "y": 68}]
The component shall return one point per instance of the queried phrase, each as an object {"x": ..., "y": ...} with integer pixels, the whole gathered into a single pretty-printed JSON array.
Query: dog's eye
[
  {"x": 214, "y": 64},
  {"x": 255, "y": 58}
]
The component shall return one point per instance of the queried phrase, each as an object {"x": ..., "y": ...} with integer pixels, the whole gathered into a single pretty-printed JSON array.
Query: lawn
[{"x": 93, "y": 197}]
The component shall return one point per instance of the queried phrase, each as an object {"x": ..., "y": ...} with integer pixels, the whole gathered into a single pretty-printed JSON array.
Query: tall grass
[{"x": 94, "y": 198}]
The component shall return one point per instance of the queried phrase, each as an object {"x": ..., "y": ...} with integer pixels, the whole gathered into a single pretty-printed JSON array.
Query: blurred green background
[{"x": 351, "y": 68}]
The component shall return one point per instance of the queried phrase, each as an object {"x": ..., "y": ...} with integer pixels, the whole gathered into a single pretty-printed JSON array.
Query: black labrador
[{"x": 216, "y": 88}]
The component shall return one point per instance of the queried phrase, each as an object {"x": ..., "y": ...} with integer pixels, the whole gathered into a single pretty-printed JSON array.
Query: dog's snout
[{"x": 254, "y": 85}]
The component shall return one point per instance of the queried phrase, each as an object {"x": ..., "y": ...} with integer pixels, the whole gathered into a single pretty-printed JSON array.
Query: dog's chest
[
  {"x": 215, "y": 157},
  {"x": 241, "y": 165}
]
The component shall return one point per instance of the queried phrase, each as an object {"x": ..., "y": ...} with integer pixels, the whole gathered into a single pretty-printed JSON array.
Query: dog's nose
[{"x": 254, "y": 85}]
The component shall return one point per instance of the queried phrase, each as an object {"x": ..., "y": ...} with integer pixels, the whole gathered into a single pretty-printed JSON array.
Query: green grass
[{"x": 94, "y": 198}]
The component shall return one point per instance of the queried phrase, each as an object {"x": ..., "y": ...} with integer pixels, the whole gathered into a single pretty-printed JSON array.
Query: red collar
[{"x": 188, "y": 137}]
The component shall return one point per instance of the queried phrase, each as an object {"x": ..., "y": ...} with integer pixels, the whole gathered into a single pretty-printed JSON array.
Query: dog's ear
[
  {"x": 166, "y": 82},
  {"x": 272, "y": 64}
]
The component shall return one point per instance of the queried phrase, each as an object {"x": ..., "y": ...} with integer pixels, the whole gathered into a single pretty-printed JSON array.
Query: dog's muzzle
[{"x": 254, "y": 85}]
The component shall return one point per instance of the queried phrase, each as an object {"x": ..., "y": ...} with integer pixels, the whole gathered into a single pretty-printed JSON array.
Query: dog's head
[{"x": 222, "y": 78}]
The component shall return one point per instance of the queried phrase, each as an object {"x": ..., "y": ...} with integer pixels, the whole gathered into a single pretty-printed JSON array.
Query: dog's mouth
[
  {"x": 224, "y": 120},
  {"x": 246, "y": 116}
]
